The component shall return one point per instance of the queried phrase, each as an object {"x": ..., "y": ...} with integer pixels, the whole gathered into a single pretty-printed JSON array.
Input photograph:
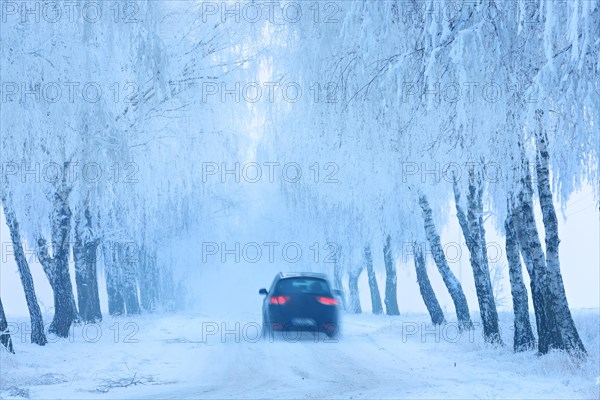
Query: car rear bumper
[{"x": 329, "y": 326}]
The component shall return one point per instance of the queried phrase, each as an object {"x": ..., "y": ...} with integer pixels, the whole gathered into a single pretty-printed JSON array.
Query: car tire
[
  {"x": 266, "y": 331},
  {"x": 332, "y": 334}
]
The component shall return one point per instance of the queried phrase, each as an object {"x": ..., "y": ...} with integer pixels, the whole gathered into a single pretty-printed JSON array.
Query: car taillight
[
  {"x": 279, "y": 299},
  {"x": 328, "y": 301}
]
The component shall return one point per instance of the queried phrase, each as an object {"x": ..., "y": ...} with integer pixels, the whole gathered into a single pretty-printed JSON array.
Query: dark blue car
[{"x": 300, "y": 301}]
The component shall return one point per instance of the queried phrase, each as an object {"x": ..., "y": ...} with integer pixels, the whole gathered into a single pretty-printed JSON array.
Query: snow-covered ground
[{"x": 186, "y": 356}]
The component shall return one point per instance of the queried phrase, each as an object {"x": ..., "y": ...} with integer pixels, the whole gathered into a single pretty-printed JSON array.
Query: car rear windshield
[{"x": 302, "y": 285}]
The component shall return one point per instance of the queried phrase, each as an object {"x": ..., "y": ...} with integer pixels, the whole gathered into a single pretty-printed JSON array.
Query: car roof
[{"x": 283, "y": 275}]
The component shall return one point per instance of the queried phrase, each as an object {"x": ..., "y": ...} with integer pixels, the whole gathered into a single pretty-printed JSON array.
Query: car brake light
[
  {"x": 328, "y": 301},
  {"x": 279, "y": 299}
]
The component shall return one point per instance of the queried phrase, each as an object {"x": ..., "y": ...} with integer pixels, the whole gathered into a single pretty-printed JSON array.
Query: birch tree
[
  {"x": 431, "y": 302},
  {"x": 558, "y": 299},
  {"x": 38, "y": 335},
  {"x": 452, "y": 283},
  {"x": 5, "y": 339},
  {"x": 391, "y": 287},
  {"x": 523, "y": 334},
  {"x": 377, "y": 308}
]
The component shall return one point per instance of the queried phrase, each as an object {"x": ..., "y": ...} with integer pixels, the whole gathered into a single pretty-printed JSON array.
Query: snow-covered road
[{"x": 187, "y": 356}]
